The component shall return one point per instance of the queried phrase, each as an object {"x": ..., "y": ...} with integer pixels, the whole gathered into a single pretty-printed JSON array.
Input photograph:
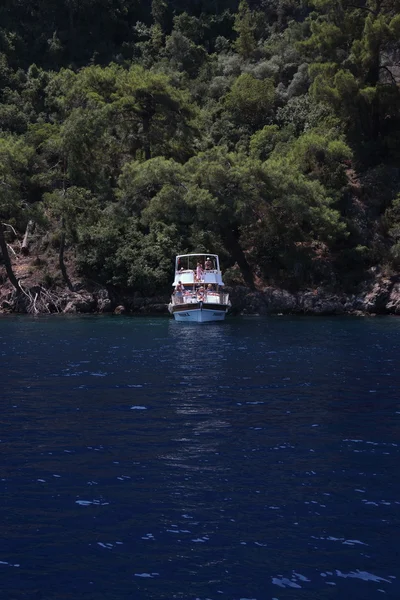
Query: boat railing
[
  {"x": 223, "y": 298},
  {"x": 192, "y": 273},
  {"x": 193, "y": 297}
]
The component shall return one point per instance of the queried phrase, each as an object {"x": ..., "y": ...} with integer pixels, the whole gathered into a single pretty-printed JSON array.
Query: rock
[
  {"x": 238, "y": 295},
  {"x": 160, "y": 308},
  {"x": 79, "y": 303},
  {"x": 70, "y": 308},
  {"x": 6, "y": 306},
  {"x": 279, "y": 300},
  {"x": 245, "y": 301},
  {"x": 104, "y": 303},
  {"x": 273, "y": 300},
  {"x": 329, "y": 306},
  {"x": 379, "y": 294},
  {"x": 85, "y": 304},
  {"x": 255, "y": 304},
  {"x": 318, "y": 303},
  {"x": 393, "y": 304},
  {"x": 156, "y": 308},
  {"x": 378, "y": 297}
]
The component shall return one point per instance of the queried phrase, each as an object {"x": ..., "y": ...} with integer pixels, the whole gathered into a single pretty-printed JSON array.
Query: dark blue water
[{"x": 147, "y": 459}]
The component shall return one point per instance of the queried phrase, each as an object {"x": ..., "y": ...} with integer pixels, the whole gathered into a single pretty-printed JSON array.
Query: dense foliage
[{"x": 264, "y": 130}]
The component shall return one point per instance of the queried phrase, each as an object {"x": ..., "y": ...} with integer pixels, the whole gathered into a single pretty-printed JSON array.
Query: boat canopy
[{"x": 186, "y": 269}]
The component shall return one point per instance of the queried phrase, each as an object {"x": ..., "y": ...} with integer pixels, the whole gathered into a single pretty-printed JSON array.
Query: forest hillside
[{"x": 267, "y": 131}]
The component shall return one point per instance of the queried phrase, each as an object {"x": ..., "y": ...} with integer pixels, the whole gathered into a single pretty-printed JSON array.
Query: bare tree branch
[
  {"x": 373, "y": 12},
  {"x": 7, "y": 261},
  {"x": 12, "y": 249},
  {"x": 11, "y": 227},
  {"x": 392, "y": 77}
]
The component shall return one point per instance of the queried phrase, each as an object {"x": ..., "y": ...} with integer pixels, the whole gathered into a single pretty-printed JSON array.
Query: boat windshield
[{"x": 191, "y": 262}]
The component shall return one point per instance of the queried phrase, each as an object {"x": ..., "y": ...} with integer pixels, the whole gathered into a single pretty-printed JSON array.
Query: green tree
[
  {"x": 297, "y": 228},
  {"x": 250, "y": 100},
  {"x": 141, "y": 182},
  {"x": 159, "y": 12},
  {"x": 245, "y": 28},
  {"x": 75, "y": 210},
  {"x": 264, "y": 141},
  {"x": 320, "y": 154},
  {"x": 155, "y": 115},
  {"x": 14, "y": 161},
  {"x": 225, "y": 189},
  {"x": 183, "y": 54},
  {"x": 351, "y": 47}
]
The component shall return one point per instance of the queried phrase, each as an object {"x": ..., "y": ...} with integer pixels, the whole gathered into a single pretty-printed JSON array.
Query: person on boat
[
  {"x": 199, "y": 271},
  {"x": 179, "y": 291},
  {"x": 200, "y": 293},
  {"x": 208, "y": 264}
]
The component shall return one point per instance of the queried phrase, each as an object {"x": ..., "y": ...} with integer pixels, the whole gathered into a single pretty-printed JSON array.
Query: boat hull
[{"x": 199, "y": 313}]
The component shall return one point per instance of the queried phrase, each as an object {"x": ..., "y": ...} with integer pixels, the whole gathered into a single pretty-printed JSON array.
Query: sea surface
[{"x": 143, "y": 459}]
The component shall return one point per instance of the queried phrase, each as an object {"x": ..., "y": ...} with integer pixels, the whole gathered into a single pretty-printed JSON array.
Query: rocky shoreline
[{"x": 381, "y": 296}]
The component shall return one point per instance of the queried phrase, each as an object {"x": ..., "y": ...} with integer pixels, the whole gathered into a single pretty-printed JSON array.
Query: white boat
[{"x": 198, "y": 295}]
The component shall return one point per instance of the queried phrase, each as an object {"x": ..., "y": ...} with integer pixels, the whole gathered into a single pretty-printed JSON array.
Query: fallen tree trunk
[
  {"x": 25, "y": 242},
  {"x": 61, "y": 261}
]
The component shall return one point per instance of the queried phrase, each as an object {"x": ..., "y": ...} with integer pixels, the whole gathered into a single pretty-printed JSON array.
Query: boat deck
[{"x": 209, "y": 298}]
